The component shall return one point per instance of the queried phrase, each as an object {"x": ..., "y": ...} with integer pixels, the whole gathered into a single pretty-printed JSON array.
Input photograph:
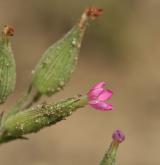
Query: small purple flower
[
  {"x": 118, "y": 136},
  {"x": 98, "y": 95}
]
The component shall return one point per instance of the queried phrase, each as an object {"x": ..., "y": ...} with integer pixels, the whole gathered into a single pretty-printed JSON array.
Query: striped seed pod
[
  {"x": 59, "y": 60},
  {"x": 7, "y": 65}
]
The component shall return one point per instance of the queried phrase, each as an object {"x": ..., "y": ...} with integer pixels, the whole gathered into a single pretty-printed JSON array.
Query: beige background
[{"x": 123, "y": 49}]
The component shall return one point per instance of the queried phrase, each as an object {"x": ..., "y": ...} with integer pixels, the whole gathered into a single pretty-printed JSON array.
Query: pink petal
[
  {"x": 100, "y": 105},
  {"x": 93, "y": 94},
  {"x": 105, "y": 95},
  {"x": 99, "y": 85}
]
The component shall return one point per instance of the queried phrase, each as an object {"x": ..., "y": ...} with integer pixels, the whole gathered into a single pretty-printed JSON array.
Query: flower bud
[
  {"x": 59, "y": 60},
  {"x": 118, "y": 136},
  {"x": 7, "y": 65},
  {"x": 110, "y": 156}
]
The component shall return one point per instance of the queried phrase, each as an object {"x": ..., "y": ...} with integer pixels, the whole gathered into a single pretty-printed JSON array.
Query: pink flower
[{"x": 98, "y": 95}]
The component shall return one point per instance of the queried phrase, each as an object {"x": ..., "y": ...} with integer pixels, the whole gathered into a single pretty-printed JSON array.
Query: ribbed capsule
[
  {"x": 59, "y": 60},
  {"x": 7, "y": 65}
]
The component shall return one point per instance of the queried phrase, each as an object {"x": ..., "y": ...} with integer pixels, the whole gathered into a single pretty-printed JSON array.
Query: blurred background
[{"x": 122, "y": 47}]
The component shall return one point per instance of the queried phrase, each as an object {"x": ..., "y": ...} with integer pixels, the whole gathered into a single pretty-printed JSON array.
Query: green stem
[
  {"x": 19, "y": 106},
  {"x": 34, "y": 99},
  {"x": 110, "y": 156}
]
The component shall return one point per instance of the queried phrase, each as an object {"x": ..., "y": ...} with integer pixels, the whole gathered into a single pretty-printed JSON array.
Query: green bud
[
  {"x": 7, "y": 65},
  {"x": 59, "y": 60},
  {"x": 34, "y": 119}
]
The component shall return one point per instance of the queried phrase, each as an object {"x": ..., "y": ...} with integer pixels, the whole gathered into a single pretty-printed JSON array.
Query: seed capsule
[
  {"x": 7, "y": 64},
  {"x": 59, "y": 60},
  {"x": 36, "y": 118}
]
